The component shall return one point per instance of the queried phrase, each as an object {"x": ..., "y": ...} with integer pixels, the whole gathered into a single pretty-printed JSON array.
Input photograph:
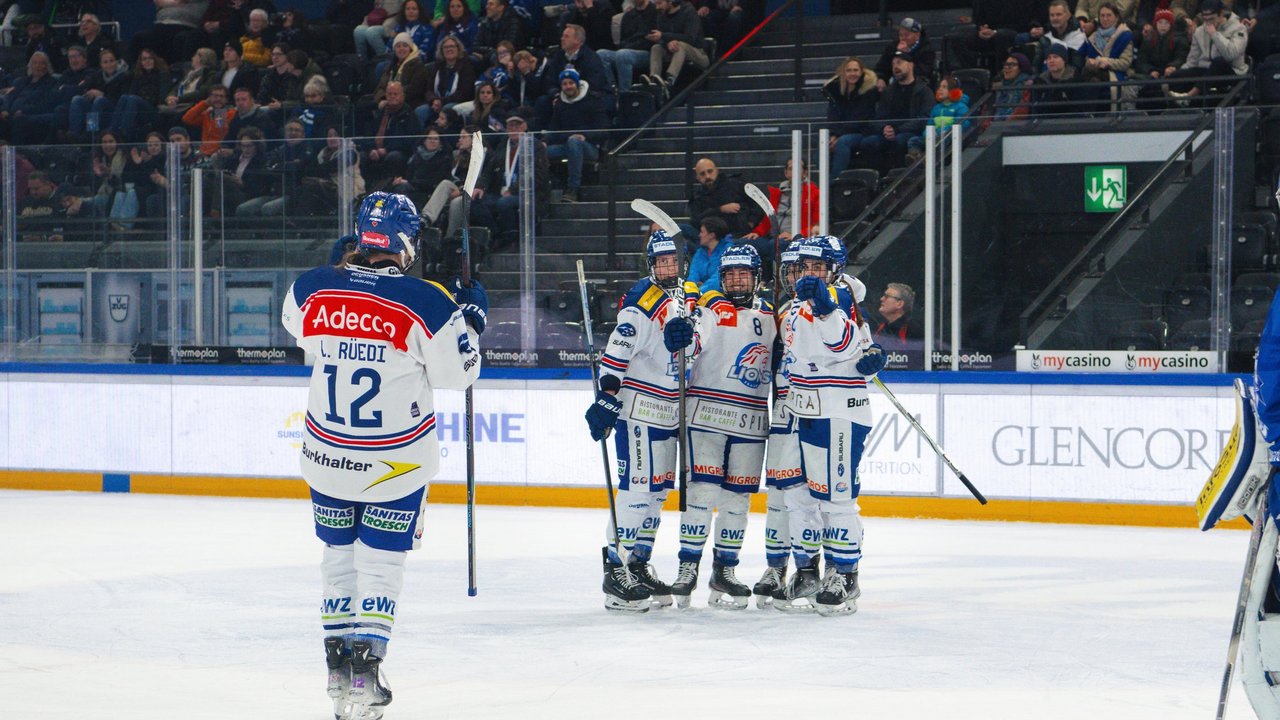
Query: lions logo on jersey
[{"x": 751, "y": 368}]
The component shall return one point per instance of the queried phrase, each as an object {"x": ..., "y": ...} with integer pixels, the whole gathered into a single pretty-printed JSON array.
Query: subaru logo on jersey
[
  {"x": 637, "y": 431},
  {"x": 840, "y": 470},
  {"x": 751, "y": 368},
  {"x": 119, "y": 307},
  {"x": 375, "y": 239},
  {"x": 627, "y": 330}
]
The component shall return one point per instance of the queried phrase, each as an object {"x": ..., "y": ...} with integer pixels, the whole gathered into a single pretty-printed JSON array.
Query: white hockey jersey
[
  {"x": 382, "y": 342},
  {"x": 733, "y": 358},
  {"x": 821, "y": 358},
  {"x": 637, "y": 356}
]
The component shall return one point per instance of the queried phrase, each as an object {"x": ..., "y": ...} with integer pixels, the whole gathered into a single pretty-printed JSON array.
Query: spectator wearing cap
[
  {"x": 235, "y": 72},
  {"x": 1012, "y": 90},
  {"x": 677, "y": 39},
  {"x": 1217, "y": 48},
  {"x": 1163, "y": 51},
  {"x": 1109, "y": 52},
  {"x": 504, "y": 171},
  {"x": 852, "y": 96},
  {"x": 391, "y": 133},
  {"x": 213, "y": 117},
  {"x": 579, "y": 123},
  {"x": 451, "y": 79},
  {"x": 39, "y": 39},
  {"x": 1059, "y": 86},
  {"x": 1064, "y": 30},
  {"x": 995, "y": 24},
  {"x": 913, "y": 41},
  {"x": 257, "y": 39},
  {"x": 104, "y": 88},
  {"x": 500, "y": 24},
  {"x": 26, "y": 109},
  {"x": 901, "y": 114},
  {"x": 91, "y": 37},
  {"x": 174, "y": 20},
  {"x": 633, "y": 49},
  {"x": 405, "y": 68}
]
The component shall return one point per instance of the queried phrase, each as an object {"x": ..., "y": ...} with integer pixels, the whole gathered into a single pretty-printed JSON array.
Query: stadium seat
[
  {"x": 1186, "y": 303},
  {"x": 1157, "y": 329},
  {"x": 1133, "y": 341},
  {"x": 974, "y": 82},
  {"x": 1249, "y": 246},
  {"x": 1249, "y": 303}
]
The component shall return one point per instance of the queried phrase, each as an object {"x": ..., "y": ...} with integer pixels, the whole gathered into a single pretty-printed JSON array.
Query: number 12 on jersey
[{"x": 357, "y": 378}]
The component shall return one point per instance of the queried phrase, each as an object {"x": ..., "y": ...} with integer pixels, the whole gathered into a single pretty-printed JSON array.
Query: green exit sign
[{"x": 1105, "y": 188}]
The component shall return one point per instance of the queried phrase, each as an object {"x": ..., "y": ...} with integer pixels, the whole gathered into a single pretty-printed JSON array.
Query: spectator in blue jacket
[
  {"x": 26, "y": 109},
  {"x": 713, "y": 240},
  {"x": 579, "y": 122}
]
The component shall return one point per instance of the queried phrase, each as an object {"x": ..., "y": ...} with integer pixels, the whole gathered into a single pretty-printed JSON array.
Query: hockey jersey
[
  {"x": 821, "y": 358},
  {"x": 382, "y": 342},
  {"x": 637, "y": 356},
  {"x": 733, "y": 356}
]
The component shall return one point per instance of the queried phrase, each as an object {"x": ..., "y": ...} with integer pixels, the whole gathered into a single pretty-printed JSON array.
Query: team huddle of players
[{"x": 812, "y": 357}]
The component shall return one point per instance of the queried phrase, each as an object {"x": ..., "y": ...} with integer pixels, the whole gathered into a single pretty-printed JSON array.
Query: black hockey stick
[
  {"x": 932, "y": 443},
  {"x": 656, "y": 214},
  {"x": 604, "y": 441},
  {"x": 1246, "y": 583},
  {"x": 474, "y": 163}
]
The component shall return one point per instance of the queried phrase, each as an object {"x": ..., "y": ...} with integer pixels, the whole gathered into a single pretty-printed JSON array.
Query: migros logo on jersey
[{"x": 358, "y": 315}]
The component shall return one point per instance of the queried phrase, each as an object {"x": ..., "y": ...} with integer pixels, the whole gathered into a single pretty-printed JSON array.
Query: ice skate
[
  {"x": 622, "y": 592},
  {"x": 772, "y": 581},
  {"x": 686, "y": 581},
  {"x": 798, "y": 594},
  {"x": 839, "y": 594},
  {"x": 369, "y": 692},
  {"x": 726, "y": 592},
  {"x": 338, "y": 661},
  {"x": 659, "y": 592}
]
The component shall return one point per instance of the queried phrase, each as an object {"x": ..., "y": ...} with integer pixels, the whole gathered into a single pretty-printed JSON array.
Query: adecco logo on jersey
[{"x": 357, "y": 315}]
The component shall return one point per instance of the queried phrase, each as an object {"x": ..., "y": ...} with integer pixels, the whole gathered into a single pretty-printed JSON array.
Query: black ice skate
[
  {"x": 839, "y": 594},
  {"x": 338, "y": 659},
  {"x": 726, "y": 591},
  {"x": 369, "y": 693},
  {"x": 686, "y": 581},
  {"x": 771, "y": 582},
  {"x": 798, "y": 594},
  {"x": 659, "y": 592},
  {"x": 622, "y": 591}
]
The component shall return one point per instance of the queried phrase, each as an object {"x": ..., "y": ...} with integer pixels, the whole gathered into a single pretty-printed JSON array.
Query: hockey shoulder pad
[{"x": 1239, "y": 479}]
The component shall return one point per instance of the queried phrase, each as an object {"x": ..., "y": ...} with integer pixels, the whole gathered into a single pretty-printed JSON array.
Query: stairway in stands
[{"x": 742, "y": 119}]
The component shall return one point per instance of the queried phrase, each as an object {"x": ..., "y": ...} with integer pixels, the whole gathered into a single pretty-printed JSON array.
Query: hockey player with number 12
[{"x": 383, "y": 341}]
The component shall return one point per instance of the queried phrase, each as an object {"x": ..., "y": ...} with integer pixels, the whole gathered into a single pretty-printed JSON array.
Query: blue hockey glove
[
  {"x": 602, "y": 415},
  {"x": 873, "y": 360},
  {"x": 473, "y": 302},
  {"x": 678, "y": 334},
  {"x": 815, "y": 291}
]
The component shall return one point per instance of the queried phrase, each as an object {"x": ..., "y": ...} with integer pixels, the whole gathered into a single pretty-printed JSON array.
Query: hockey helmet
[
  {"x": 389, "y": 223},
  {"x": 742, "y": 257},
  {"x": 660, "y": 243},
  {"x": 826, "y": 248}
]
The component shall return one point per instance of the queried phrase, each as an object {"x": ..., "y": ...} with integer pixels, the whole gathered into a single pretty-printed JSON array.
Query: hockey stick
[
  {"x": 1246, "y": 583},
  {"x": 656, "y": 214},
  {"x": 604, "y": 441},
  {"x": 760, "y": 199},
  {"x": 474, "y": 163},
  {"x": 932, "y": 443}
]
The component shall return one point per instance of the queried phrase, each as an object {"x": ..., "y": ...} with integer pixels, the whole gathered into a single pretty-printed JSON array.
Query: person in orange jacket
[{"x": 213, "y": 117}]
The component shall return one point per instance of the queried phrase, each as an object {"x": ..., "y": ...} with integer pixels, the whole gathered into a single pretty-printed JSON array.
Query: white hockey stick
[
  {"x": 1260, "y": 519},
  {"x": 474, "y": 166},
  {"x": 759, "y": 198},
  {"x": 656, "y": 214}
]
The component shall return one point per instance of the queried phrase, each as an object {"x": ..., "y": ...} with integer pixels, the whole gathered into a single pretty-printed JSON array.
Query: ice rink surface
[{"x": 136, "y": 606}]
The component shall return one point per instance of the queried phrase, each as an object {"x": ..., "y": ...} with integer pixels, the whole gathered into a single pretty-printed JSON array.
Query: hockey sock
[
  {"x": 731, "y": 525},
  {"x": 777, "y": 538},
  {"x": 805, "y": 525},
  {"x": 380, "y": 575},
  {"x": 338, "y": 573},
  {"x": 649, "y": 528},
  {"x": 695, "y": 521},
  {"x": 842, "y": 535},
  {"x": 633, "y": 512}
]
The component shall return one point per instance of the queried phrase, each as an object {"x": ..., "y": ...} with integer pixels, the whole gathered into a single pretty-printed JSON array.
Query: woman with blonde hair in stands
[
  {"x": 1109, "y": 53},
  {"x": 195, "y": 85},
  {"x": 851, "y": 106}
]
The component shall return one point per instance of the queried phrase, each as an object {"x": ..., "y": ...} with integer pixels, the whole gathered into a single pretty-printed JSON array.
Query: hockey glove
[
  {"x": 603, "y": 413},
  {"x": 677, "y": 335},
  {"x": 873, "y": 360},
  {"x": 815, "y": 291},
  {"x": 473, "y": 302}
]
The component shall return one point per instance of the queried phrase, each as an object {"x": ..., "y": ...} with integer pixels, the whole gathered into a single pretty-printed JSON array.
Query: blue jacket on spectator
[
  {"x": 32, "y": 97},
  {"x": 588, "y": 64},
  {"x": 704, "y": 268},
  {"x": 466, "y": 32},
  {"x": 584, "y": 114},
  {"x": 945, "y": 114}
]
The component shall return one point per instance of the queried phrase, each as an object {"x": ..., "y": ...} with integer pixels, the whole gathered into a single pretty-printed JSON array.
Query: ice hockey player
[
  {"x": 639, "y": 401},
  {"x": 782, "y": 455},
  {"x": 830, "y": 355},
  {"x": 728, "y": 418},
  {"x": 383, "y": 341}
]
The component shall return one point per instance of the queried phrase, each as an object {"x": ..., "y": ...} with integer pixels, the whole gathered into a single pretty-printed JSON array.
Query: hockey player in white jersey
[
  {"x": 383, "y": 342},
  {"x": 728, "y": 416},
  {"x": 782, "y": 455},
  {"x": 638, "y": 402},
  {"x": 830, "y": 354}
]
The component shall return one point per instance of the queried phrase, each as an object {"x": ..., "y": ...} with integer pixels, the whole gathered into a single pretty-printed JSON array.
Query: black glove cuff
[{"x": 610, "y": 383}]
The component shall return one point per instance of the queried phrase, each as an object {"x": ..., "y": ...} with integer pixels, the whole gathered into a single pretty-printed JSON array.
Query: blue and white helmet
[
  {"x": 660, "y": 243},
  {"x": 787, "y": 261},
  {"x": 744, "y": 257},
  {"x": 388, "y": 222},
  {"x": 828, "y": 249}
]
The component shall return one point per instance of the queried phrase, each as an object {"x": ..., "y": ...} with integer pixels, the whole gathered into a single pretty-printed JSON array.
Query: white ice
[{"x": 136, "y": 606}]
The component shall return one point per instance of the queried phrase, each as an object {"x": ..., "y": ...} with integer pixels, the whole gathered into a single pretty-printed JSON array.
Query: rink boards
[{"x": 1067, "y": 448}]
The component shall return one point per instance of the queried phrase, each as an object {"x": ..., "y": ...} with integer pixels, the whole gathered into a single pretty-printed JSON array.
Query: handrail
[{"x": 1120, "y": 219}]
